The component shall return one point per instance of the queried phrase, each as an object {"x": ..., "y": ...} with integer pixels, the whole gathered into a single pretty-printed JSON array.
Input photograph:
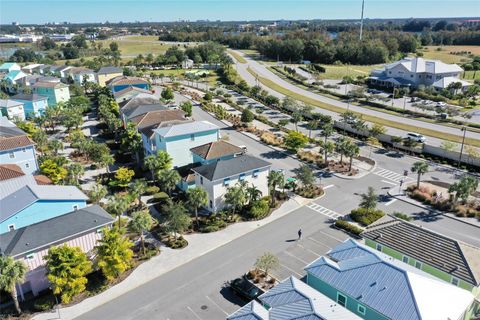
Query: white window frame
[
  {"x": 255, "y": 173},
  {"x": 11, "y": 227},
  {"x": 76, "y": 207},
  {"x": 11, "y": 155},
  {"x": 361, "y": 309},
  {"x": 226, "y": 182},
  {"x": 418, "y": 265},
  {"x": 340, "y": 294},
  {"x": 27, "y": 165},
  {"x": 455, "y": 281},
  {"x": 403, "y": 259},
  {"x": 30, "y": 256},
  {"x": 241, "y": 176},
  {"x": 378, "y": 247}
]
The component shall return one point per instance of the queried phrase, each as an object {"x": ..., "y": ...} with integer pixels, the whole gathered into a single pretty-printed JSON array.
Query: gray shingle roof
[
  {"x": 227, "y": 168},
  {"x": 107, "y": 70},
  {"x": 53, "y": 231},
  {"x": 142, "y": 109},
  {"x": 446, "y": 254}
]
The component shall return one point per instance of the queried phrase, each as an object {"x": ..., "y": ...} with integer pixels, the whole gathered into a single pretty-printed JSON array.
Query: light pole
[
  {"x": 361, "y": 20},
  {"x": 464, "y": 129}
]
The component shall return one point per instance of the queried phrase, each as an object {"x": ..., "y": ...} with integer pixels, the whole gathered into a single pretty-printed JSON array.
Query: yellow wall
[{"x": 104, "y": 78}]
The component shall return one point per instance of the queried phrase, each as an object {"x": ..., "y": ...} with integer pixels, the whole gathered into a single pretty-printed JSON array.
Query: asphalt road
[{"x": 262, "y": 71}]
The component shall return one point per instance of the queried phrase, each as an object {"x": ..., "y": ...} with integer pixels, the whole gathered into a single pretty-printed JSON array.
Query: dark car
[{"x": 245, "y": 288}]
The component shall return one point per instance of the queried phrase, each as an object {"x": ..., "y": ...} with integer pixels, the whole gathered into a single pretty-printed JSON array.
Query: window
[
  {"x": 379, "y": 247},
  {"x": 24, "y": 149},
  {"x": 11, "y": 155},
  {"x": 75, "y": 207},
  {"x": 241, "y": 177},
  {"x": 226, "y": 182},
  {"x": 192, "y": 137},
  {"x": 11, "y": 227},
  {"x": 455, "y": 281},
  {"x": 418, "y": 265},
  {"x": 361, "y": 309},
  {"x": 405, "y": 259},
  {"x": 30, "y": 256},
  {"x": 201, "y": 180},
  {"x": 100, "y": 231},
  {"x": 27, "y": 165},
  {"x": 255, "y": 173},
  {"x": 341, "y": 299}
]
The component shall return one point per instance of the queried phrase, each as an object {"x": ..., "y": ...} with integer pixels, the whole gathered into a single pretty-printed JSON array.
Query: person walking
[{"x": 299, "y": 234}]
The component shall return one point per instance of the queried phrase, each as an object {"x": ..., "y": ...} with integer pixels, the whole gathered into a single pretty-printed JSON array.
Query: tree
[
  {"x": 168, "y": 179},
  {"x": 167, "y": 94},
  {"x": 55, "y": 146},
  {"x": 312, "y": 125},
  {"x": 74, "y": 172},
  {"x": 247, "y": 116},
  {"x": 114, "y": 253},
  {"x": 12, "y": 272},
  {"x": 327, "y": 148},
  {"x": 267, "y": 262},
  {"x": 123, "y": 176},
  {"x": 141, "y": 221},
  {"x": 275, "y": 179},
  {"x": 235, "y": 197},
  {"x": 376, "y": 130},
  {"x": 197, "y": 197},
  {"x": 420, "y": 168},
  {"x": 97, "y": 192},
  {"x": 369, "y": 199},
  {"x": 138, "y": 188},
  {"x": 117, "y": 205},
  {"x": 53, "y": 170},
  {"x": 305, "y": 175},
  {"x": 447, "y": 146},
  {"x": 253, "y": 194},
  {"x": 464, "y": 188},
  {"x": 158, "y": 162},
  {"x": 177, "y": 218},
  {"x": 351, "y": 150},
  {"x": 67, "y": 268},
  {"x": 295, "y": 140},
  {"x": 187, "y": 107},
  {"x": 131, "y": 140},
  {"x": 296, "y": 118}
]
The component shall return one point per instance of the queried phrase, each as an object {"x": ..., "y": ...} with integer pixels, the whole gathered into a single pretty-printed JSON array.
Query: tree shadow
[{"x": 273, "y": 155}]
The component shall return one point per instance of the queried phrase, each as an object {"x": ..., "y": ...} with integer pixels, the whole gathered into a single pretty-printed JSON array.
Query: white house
[
  {"x": 79, "y": 74},
  {"x": 12, "y": 109},
  {"x": 216, "y": 177},
  {"x": 187, "y": 64},
  {"x": 10, "y": 66},
  {"x": 179, "y": 138},
  {"x": 414, "y": 72}
]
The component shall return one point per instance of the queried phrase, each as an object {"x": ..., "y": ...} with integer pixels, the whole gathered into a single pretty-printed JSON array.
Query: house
[
  {"x": 187, "y": 64},
  {"x": 293, "y": 299},
  {"x": 105, "y": 74},
  {"x": 16, "y": 147},
  {"x": 447, "y": 82},
  {"x": 378, "y": 287},
  {"x": 14, "y": 78},
  {"x": 217, "y": 176},
  {"x": 139, "y": 104},
  {"x": 49, "y": 79},
  {"x": 12, "y": 171},
  {"x": 32, "y": 68},
  {"x": 154, "y": 119},
  {"x": 128, "y": 93},
  {"x": 78, "y": 75},
  {"x": 30, "y": 79},
  {"x": 214, "y": 151},
  {"x": 414, "y": 72},
  {"x": 34, "y": 203},
  {"x": 12, "y": 109},
  {"x": 448, "y": 259},
  {"x": 56, "y": 92},
  {"x": 9, "y": 66},
  {"x": 61, "y": 71},
  {"x": 30, "y": 244},
  {"x": 178, "y": 139},
  {"x": 122, "y": 82},
  {"x": 44, "y": 69},
  {"x": 33, "y": 104}
]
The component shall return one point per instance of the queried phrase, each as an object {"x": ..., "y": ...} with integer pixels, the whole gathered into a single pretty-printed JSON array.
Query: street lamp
[
  {"x": 464, "y": 129},
  {"x": 405, "y": 98}
]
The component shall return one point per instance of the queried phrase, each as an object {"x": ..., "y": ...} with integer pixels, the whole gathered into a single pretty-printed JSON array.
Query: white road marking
[
  {"x": 226, "y": 313},
  {"x": 291, "y": 270},
  {"x": 309, "y": 250},
  {"x": 329, "y": 186},
  {"x": 320, "y": 243},
  {"x": 327, "y": 212},
  {"x": 390, "y": 175},
  {"x": 294, "y": 256},
  {"x": 196, "y": 315},
  {"x": 385, "y": 181},
  {"x": 340, "y": 240},
  {"x": 390, "y": 202}
]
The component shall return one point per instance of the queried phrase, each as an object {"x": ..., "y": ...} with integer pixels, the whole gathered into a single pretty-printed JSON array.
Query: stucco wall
[{"x": 25, "y": 158}]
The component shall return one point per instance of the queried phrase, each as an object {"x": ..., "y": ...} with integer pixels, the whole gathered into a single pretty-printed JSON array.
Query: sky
[{"x": 78, "y": 11}]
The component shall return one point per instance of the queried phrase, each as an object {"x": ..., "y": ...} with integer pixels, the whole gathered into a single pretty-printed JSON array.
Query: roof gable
[
  {"x": 226, "y": 168},
  {"x": 217, "y": 149}
]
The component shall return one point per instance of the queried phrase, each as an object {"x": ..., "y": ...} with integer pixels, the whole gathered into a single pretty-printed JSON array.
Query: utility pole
[
  {"x": 464, "y": 129},
  {"x": 361, "y": 20}
]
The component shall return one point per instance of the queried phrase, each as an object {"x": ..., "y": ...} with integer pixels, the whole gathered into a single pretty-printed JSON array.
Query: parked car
[
  {"x": 244, "y": 148},
  {"x": 416, "y": 137},
  {"x": 245, "y": 289},
  {"x": 441, "y": 104}
]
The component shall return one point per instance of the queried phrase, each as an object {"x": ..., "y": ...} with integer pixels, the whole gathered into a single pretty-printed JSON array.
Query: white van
[{"x": 416, "y": 137}]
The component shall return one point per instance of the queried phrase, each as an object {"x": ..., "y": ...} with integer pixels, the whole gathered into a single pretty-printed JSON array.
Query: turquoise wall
[{"x": 40, "y": 211}]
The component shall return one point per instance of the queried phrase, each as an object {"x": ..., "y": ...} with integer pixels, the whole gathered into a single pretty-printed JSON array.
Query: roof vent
[
  {"x": 360, "y": 297},
  {"x": 373, "y": 284},
  {"x": 384, "y": 288}
]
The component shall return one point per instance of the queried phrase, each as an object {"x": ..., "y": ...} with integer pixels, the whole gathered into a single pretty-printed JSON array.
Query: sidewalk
[{"x": 169, "y": 259}]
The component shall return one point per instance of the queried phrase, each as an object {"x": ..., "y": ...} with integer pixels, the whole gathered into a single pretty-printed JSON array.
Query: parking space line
[
  {"x": 340, "y": 240},
  {"x": 294, "y": 256},
  {"x": 196, "y": 315},
  {"x": 309, "y": 250},
  {"x": 384, "y": 181},
  {"x": 390, "y": 202},
  {"x": 226, "y": 313},
  {"x": 328, "y": 187},
  {"x": 291, "y": 270},
  {"x": 320, "y": 243}
]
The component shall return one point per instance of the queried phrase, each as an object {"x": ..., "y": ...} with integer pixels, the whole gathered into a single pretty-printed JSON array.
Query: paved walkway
[{"x": 169, "y": 259}]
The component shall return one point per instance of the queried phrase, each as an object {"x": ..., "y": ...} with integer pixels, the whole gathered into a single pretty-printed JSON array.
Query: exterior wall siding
[
  {"x": 40, "y": 211},
  {"x": 54, "y": 95},
  {"x": 25, "y": 158},
  {"x": 33, "y": 108},
  {"x": 102, "y": 79},
  {"x": 12, "y": 113}
]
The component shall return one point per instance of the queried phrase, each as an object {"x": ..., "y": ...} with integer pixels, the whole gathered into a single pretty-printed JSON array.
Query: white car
[{"x": 416, "y": 137}]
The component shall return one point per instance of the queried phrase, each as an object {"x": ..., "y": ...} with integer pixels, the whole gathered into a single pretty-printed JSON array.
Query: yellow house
[{"x": 107, "y": 73}]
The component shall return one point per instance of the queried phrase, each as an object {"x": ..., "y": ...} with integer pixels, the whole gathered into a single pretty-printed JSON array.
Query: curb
[{"x": 367, "y": 172}]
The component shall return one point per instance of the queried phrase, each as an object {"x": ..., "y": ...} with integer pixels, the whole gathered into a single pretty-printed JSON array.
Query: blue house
[
  {"x": 123, "y": 82},
  {"x": 16, "y": 147},
  {"x": 9, "y": 66},
  {"x": 178, "y": 139},
  {"x": 33, "y": 104},
  {"x": 376, "y": 286},
  {"x": 34, "y": 203}
]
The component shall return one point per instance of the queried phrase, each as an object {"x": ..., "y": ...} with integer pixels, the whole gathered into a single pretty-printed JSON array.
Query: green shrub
[
  {"x": 259, "y": 209},
  {"x": 152, "y": 190},
  {"x": 402, "y": 216},
  {"x": 342, "y": 224},
  {"x": 44, "y": 303},
  {"x": 160, "y": 197},
  {"x": 365, "y": 216}
]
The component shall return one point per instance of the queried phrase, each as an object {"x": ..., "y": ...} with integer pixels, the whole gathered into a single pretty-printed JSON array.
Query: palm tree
[
  {"x": 177, "y": 218},
  {"x": 340, "y": 148},
  {"x": 12, "y": 272},
  {"x": 235, "y": 197},
  {"x": 117, "y": 205},
  {"x": 97, "y": 192},
  {"x": 253, "y": 193},
  {"x": 351, "y": 150},
  {"x": 141, "y": 221},
  {"x": 168, "y": 179},
  {"x": 275, "y": 179},
  {"x": 197, "y": 198},
  {"x": 327, "y": 149},
  {"x": 296, "y": 118},
  {"x": 419, "y": 167},
  {"x": 312, "y": 125},
  {"x": 158, "y": 162},
  {"x": 369, "y": 199},
  {"x": 138, "y": 187}
]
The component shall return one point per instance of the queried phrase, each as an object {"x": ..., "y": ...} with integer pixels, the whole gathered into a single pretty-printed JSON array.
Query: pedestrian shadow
[{"x": 291, "y": 240}]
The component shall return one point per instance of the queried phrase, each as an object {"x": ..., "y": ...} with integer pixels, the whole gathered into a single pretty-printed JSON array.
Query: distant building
[
  {"x": 55, "y": 92},
  {"x": 107, "y": 73},
  {"x": 16, "y": 148},
  {"x": 122, "y": 82},
  {"x": 14, "y": 78},
  {"x": 33, "y": 104},
  {"x": 12, "y": 109},
  {"x": 78, "y": 75},
  {"x": 187, "y": 64},
  {"x": 10, "y": 66}
]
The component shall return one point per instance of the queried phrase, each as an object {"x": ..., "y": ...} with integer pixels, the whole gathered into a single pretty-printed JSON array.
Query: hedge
[{"x": 347, "y": 226}]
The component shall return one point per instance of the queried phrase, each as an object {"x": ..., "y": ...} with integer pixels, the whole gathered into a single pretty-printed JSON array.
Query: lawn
[
  {"x": 132, "y": 48},
  {"x": 402, "y": 126},
  {"x": 338, "y": 72},
  {"x": 237, "y": 57},
  {"x": 141, "y": 38},
  {"x": 180, "y": 73},
  {"x": 469, "y": 75},
  {"x": 446, "y": 54}
]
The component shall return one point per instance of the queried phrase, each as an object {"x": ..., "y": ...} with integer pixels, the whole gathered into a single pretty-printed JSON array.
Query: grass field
[
  {"x": 142, "y": 38},
  {"x": 402, "y": 126},
  {"x": 134, "y": 48},
  {"x": 237, "y": 57},
  {"x": 338, "y": 72},
  {"x": 446, "y": 53},
  {"x": 180, "y": 73},
  {"x": 471, "y": 75}
]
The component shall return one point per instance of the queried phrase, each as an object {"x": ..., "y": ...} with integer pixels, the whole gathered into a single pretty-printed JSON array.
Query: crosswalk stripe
[
  {"x": 325, "y": 211},
  {"x": 390, "y": 175}
]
